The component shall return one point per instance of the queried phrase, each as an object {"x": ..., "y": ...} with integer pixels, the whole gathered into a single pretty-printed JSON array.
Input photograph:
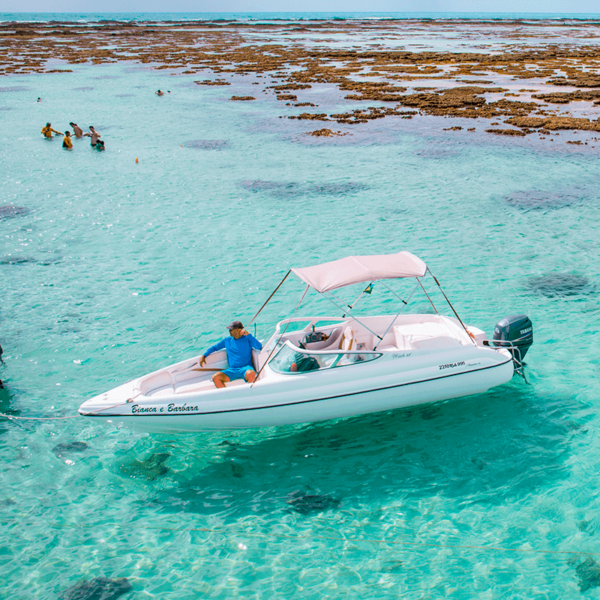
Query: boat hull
[{"x": 316, "y": 397}]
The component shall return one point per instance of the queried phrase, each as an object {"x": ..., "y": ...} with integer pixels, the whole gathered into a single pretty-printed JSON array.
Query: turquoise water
[{"x": 112, "y": 269}]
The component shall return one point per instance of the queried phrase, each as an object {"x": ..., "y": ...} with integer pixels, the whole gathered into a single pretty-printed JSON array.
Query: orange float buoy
[{"x": 136, "y": 160}]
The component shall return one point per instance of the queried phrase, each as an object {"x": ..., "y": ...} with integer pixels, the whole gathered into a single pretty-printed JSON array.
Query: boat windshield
[{"x": 290, "y": 360}]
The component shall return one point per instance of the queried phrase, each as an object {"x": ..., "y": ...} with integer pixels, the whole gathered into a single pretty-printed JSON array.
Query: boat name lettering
[
  {"x": 181, "y": 408},
  {"x": 526, "y": 330},
  {"x": 452, "y": 365},
  {"x": 403, "y": 355},
  {"x": 142, "y": 409}
]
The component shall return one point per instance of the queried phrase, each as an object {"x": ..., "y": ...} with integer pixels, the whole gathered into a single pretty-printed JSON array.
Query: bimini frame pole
[
  {"x": 428, "y": 298},
  {"x": 353, "y": 305},
  {"x": 282, "y": 334},
  {"x": 452, "y": 307},
  {"x": 402, "y": 307},
  {"x": 339, "y": 304},
  {"x": 269, "y": 298}
]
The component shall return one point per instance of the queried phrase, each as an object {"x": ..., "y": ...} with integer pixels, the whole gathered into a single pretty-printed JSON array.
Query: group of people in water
[{"x": 94, "y": 136}]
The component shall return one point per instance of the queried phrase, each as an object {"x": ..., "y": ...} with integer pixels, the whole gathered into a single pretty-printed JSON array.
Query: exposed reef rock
[
  {"x": 310, "y": 117},
  {"x": 326, "y": 133},
  {"x": 554, "y": 123},
  {"x": 516, "y": 132},
  {"x": 376, "y": 73},
  {"x": 212, "y": 82},
  {"x": 583, "y": 80}
]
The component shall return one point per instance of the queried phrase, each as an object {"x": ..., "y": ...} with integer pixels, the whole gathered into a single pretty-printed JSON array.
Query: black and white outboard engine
[{"x": 515, "y": 333}]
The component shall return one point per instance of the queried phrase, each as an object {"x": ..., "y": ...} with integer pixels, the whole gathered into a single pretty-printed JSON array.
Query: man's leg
[
  {"x": 250, "y": 376},
  {"x": 220, "y": 379}
]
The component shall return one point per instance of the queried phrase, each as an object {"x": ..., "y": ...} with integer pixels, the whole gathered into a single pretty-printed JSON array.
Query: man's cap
[{"x": 235, "y": 325}]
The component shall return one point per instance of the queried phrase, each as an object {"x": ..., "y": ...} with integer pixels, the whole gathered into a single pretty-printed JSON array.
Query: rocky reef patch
[
  {"x": 309, "y": 504},
  {"x": 9, "y": 211},
  {"x": 281, "y": 189},
  {"x": 99, "y": 588},
  {"x": 560, "y": 285},
  {"x": 207, "y": 144}
]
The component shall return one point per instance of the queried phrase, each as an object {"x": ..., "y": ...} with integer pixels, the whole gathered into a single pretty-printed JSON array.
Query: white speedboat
[{"x": 318, "y": 368}]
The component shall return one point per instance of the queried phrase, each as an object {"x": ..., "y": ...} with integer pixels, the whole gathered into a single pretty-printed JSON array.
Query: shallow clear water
[{"x": 113, "y": 269}]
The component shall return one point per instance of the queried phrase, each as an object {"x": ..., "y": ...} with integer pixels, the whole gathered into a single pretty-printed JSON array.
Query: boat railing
[
  {"x": 310, "y": 320},
  {"x": 328, "y": 351},
  {"x": 515, "y": 352}
]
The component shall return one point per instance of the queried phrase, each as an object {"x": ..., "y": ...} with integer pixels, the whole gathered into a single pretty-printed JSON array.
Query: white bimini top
[{"x": 356, "y": 269}]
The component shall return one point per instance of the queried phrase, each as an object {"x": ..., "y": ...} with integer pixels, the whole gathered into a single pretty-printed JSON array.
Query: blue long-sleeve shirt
[{"x": 239, "y": 352}]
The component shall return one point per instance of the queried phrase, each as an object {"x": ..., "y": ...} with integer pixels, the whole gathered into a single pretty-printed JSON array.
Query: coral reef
[
  {"x": 326, "y": 133},
  {"x": 100, "y": 588},
  {"x": 458, "y": 84}
]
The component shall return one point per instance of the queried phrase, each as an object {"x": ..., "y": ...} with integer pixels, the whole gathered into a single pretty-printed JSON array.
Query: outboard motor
[{"x": 518, "y": 330}]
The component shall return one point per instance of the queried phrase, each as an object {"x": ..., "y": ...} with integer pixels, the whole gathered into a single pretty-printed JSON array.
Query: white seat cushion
[{"x": 402, "y": 343}]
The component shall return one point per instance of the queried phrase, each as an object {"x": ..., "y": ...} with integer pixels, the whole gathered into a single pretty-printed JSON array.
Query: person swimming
[
  {"x": 159, "y": 93},
  {"x": 77, "y": 130},
  {"x": 67, "y": 142},
  {"x": 47, "y": 131},
  {"x": 100, "y": 145}
]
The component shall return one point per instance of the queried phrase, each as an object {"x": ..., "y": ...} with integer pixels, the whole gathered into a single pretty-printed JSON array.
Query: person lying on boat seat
[{"x": 239, "y": 347}]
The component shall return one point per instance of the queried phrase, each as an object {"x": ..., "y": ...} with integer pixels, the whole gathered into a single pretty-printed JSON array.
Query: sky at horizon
[{"x": 250, "y": 6}]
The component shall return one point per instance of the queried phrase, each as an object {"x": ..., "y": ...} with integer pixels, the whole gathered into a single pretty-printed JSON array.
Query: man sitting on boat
[{"x": 239, "y": 347}]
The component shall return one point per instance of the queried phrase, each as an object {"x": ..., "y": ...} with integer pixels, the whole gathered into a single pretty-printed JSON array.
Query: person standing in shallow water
[
  {"x": 77, "y": 130},
  {"x": 47, "y": 131},
  {"x": 94, "y": 135},
  {"x": 67, "y": 142},
  {"x": 239, "y": 355}
]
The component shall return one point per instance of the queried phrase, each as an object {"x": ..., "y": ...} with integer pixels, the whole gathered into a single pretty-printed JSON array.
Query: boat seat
[
  {"x": 165, "y": 390},
  {"x": 348, "y": 342},
  {"x": 402, "y": 342},
  {"x": 192, "y": 385},
  {"x": 442, "y": 341},
  {"x": 159, "y": 380}
]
